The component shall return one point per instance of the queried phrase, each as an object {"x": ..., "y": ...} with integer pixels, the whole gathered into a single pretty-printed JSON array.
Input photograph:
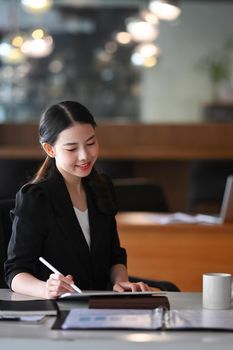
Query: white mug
[{"x": 216, "y": 290}]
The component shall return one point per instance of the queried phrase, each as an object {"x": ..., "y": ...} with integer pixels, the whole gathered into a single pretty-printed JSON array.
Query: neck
[{"x": 73, "y": 183}]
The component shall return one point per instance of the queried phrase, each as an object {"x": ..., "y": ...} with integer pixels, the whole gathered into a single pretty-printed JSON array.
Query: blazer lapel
[
  {"x": 98, "y": 224},
  {"x": 67, "y": 221}
]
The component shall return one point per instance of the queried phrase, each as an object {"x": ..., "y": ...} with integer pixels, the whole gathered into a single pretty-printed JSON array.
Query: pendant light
[{"x": 167, "y": 10}]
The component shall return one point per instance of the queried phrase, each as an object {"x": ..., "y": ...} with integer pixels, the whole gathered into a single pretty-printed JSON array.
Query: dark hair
[{"x": 53, "y": 121}]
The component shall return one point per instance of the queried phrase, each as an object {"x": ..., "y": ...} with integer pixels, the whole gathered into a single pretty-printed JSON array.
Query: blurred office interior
[{"x": 163, "y": 102}]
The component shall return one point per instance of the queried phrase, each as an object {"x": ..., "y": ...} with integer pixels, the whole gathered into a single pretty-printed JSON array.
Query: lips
[{"x": 85, "y": 166}]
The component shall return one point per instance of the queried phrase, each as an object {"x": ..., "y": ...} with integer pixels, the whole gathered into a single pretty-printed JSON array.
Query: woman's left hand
[{"x": 133, "y": 287}]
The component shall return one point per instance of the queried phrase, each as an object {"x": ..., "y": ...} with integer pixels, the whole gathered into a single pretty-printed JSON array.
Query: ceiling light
[
  {"x": 38, "y": 44},
  {"x": 150, "y": 62},
  {"x": 36, "y": 5},
  {"x": 10, "y": 54},
  {"x": 123, "y": 38},
  {"x": 17, "y": 40},
  {"x": 145, "y": 55},
  {"x": 138, "y": 60},
  {"x": 149, "y": 17},
  {"x": 10, "y": 49},
  {"x": 141, "y": 30},
  {"x": 165, "y": 9},
  {"x": 147, "y": 50}
]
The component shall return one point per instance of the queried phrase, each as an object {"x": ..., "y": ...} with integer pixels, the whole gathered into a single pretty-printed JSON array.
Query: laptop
[{"x": 226, "y": 212}]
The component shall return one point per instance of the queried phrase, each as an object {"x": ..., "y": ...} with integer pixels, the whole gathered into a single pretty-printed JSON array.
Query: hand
[
  {"x": 57, "y": 285},
  {"x": 129, "y": 286}
]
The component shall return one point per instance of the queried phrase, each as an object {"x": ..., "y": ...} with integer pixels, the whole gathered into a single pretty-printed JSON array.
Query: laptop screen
[{"x": 226, "y": 213}]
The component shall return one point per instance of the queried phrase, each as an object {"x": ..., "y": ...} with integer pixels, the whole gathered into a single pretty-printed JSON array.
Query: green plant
[{"x": 218, "y": 66}]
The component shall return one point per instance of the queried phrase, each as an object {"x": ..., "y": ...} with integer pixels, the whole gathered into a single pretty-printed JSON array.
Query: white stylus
[{"x": 52, "y": 268}]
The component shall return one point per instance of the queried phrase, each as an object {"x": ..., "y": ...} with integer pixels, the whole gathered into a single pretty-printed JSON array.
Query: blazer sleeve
[
  {"x": 29, "y": 230},
  {"x": 119, "y": 255}
]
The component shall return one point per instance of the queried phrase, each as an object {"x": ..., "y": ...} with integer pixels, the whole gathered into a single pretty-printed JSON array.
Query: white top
[{"x": 83, "y": 219}]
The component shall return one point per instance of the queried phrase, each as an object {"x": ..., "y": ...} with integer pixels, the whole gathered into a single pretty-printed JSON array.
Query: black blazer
[{"x": 45, "y": 224}]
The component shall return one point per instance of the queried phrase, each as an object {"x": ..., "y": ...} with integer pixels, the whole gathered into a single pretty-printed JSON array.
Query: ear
[{"x": 48, "y": 149}]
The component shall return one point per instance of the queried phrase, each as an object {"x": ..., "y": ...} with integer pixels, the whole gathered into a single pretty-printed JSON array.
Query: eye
[
  {"x": 91, "y": 143},
  {"x": 71, "y": 150}
]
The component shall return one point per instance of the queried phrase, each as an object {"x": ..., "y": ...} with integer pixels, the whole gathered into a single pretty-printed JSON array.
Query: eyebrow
[{"x": 76, "y": 143}]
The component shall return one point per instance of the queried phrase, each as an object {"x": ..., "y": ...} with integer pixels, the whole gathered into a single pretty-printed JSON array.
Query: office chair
[
  {"x": 15, "y": 173},
  {"x": 116, "y": 168},
  {"x": 5, "y": 233},
  {"x": 140, "y": 194}
]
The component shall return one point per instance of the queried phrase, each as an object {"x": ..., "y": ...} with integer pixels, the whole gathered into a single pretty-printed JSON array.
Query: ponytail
[{"x": 46, "y": 169}]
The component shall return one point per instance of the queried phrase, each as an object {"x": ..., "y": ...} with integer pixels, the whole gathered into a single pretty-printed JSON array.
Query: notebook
[{"x": 28, "y": 307}]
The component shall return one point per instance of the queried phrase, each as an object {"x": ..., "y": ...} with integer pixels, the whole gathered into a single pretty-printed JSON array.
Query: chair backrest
[
  {"x": 15, "y": 173},
  {"x": 5, "y": 233},
  {"x": 139, "y": 194}
]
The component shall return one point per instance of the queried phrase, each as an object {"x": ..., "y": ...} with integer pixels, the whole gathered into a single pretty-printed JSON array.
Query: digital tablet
[{"x": 94, "y": 293}]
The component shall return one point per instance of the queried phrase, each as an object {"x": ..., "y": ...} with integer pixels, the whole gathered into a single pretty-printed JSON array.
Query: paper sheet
[
  {"x": 149, "y": 319},
  {"x": 187, "y": 219},
  {"x": 112, "y": 318},
  {"x": 201, "y": 319}
]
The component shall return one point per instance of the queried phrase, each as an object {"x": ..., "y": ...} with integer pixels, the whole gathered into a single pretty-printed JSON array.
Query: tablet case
[{"x": 142, "y": 302}]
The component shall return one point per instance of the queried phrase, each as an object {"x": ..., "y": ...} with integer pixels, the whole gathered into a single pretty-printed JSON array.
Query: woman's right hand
[{"x": 57, "y": 285}]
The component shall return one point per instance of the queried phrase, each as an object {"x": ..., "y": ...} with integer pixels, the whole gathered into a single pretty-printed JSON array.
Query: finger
[
  {"x": 59, "y": 283},
  {"x": 54, "y": 292},
  {"x": 128, "y": 286},
  {"x": 118, "y": 288},
  {"x": 134, "y": 287},
  {"x": 143, "y": 287},
  {"x": 66, "y": 281},
  {"x": 52, "y": 295},
  {"x": 149, "y": 288},
  {"x": 70, "y": 277}
]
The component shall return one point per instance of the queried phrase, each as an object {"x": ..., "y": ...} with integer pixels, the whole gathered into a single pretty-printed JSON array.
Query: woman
[{"x": 67, "y": 215}]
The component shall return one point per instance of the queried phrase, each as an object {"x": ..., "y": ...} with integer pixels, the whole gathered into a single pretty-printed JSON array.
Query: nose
[{"x": 82, "y": 154}]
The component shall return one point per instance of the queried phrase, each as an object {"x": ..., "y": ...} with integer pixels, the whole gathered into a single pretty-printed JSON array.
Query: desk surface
[
  {"x": 23, "y": 337},
  {"x": 148, "y": 221}
]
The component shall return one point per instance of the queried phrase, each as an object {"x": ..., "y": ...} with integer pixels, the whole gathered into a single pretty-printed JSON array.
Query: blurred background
[
  {"x": 156, "y": 74},
  {"x": 174, "y": 69}
]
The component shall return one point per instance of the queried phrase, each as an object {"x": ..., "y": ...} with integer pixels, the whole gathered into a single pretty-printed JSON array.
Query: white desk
[{"x": 14, "y": 335}]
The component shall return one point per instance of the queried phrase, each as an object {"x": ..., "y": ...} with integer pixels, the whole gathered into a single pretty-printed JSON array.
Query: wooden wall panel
[{"x": 140, "y": 141}]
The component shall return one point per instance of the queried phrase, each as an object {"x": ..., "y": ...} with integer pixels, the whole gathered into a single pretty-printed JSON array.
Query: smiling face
[{"x": 75, "y": 151}]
